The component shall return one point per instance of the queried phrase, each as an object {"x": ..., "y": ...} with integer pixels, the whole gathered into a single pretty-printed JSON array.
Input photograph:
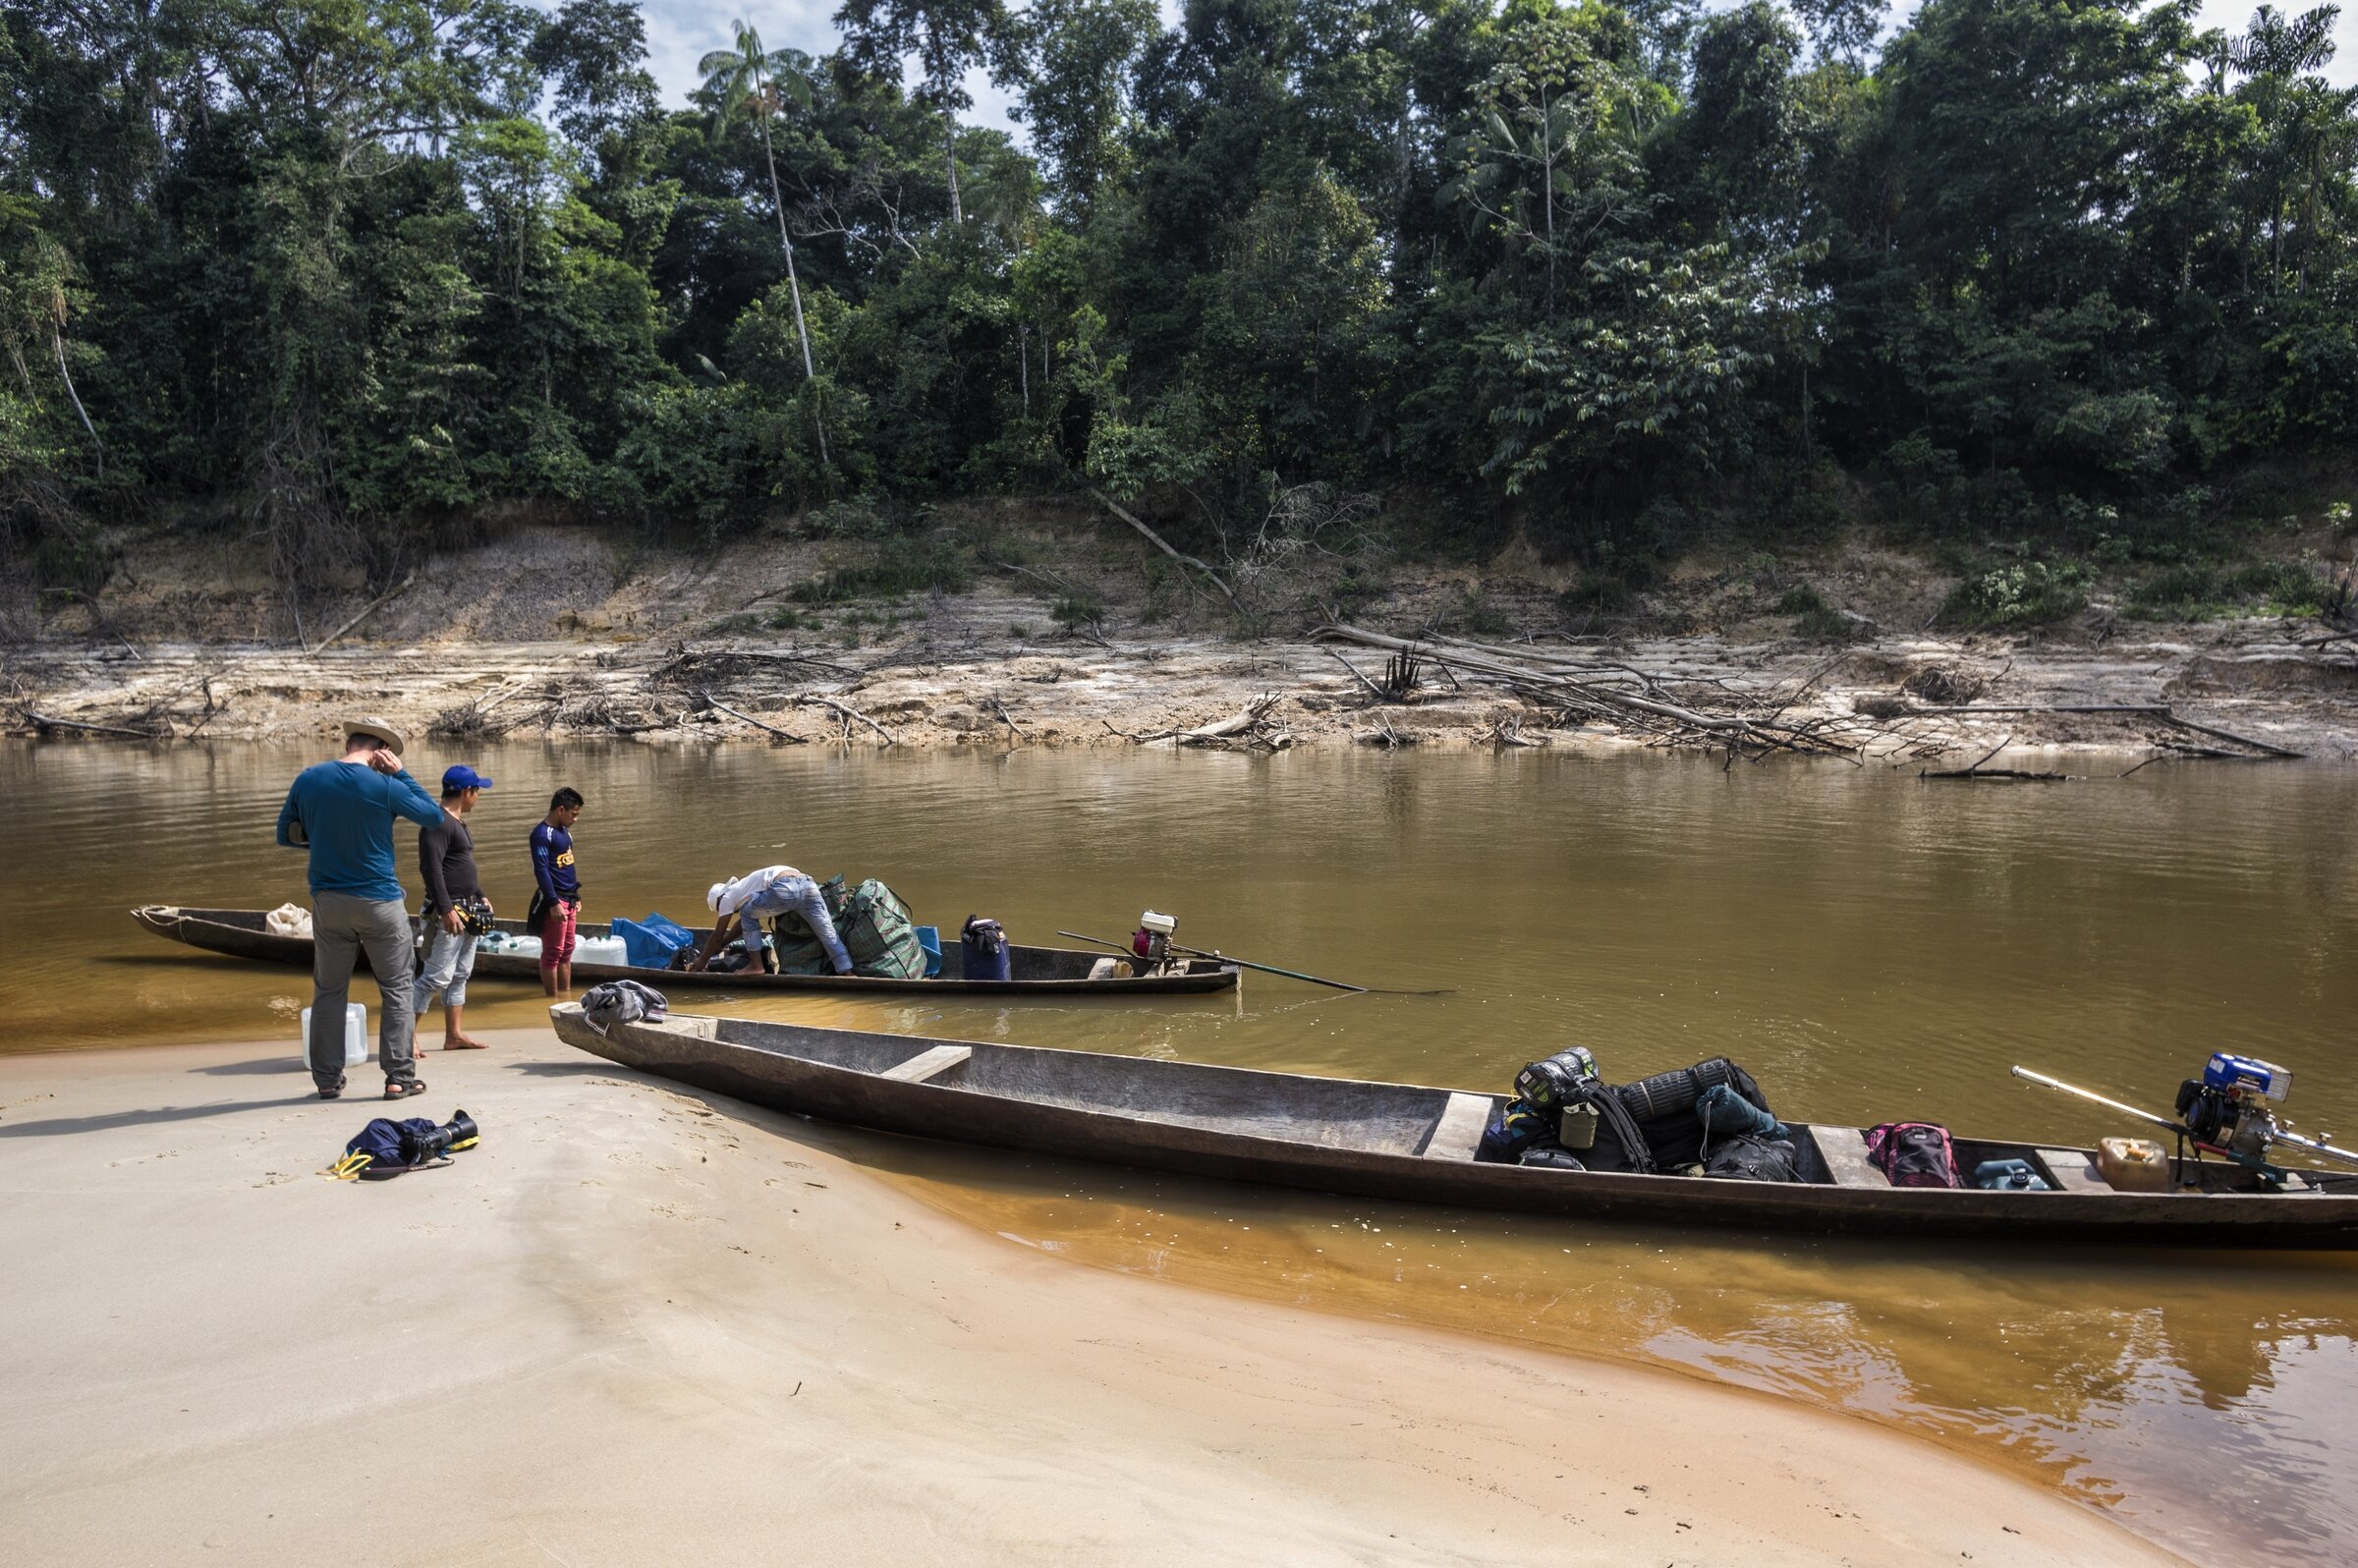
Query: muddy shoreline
[
  {"x": 924, "y": 691},
  {"x": 559, "y": 632}
]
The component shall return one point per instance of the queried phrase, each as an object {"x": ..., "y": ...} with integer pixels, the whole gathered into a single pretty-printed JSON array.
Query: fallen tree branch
[
  {"x": 723, "y": 707},
  {"x": 849, "y": 713},
  {"x": 44, "y": 723},
  {"x": 2158, "y": 710},
  {"x": 365, "y": 611},
  {"x": 1165, "y": 545},
  {"x": 1374, "y": 691}
]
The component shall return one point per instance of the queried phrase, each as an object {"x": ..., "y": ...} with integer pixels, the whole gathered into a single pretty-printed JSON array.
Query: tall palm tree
[{"x": 752, "y": 79}]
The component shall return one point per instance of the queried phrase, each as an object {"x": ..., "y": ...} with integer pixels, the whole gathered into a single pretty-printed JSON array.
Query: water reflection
[{"x": 1872, "y": 948}]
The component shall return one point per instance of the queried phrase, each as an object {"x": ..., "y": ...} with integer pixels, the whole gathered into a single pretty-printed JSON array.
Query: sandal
[
  {"x": 409, "y": 1088},
  {"x": 336, "y": 1093}
]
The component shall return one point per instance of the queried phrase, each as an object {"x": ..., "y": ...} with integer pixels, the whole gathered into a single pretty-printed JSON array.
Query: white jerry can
[{"x": 356, "y": 1034}]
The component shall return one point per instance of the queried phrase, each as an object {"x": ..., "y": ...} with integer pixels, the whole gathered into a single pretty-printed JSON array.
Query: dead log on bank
[{"x": 43, "y": 723}]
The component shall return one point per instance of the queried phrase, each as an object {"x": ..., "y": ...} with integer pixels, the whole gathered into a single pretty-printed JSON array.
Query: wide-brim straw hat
[{"x": 395, "y": 741}]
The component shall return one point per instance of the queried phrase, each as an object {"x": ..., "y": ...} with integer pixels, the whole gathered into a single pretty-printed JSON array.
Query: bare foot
[{"x": 462, "y": 1042}]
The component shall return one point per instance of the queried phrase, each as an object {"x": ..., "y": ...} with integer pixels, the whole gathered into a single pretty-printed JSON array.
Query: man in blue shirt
[
  {"x": 556, "y": 891},
  {"x": 343, "y": 812}
]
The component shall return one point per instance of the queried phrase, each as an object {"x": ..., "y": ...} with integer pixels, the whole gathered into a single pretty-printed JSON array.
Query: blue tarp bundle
[{"x": 649, "y": 942}]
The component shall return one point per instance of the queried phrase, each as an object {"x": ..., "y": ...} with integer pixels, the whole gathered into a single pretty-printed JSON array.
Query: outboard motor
[
  {"x": 1152, "y": 941},
  {"x": 2226, "y": 1109}
]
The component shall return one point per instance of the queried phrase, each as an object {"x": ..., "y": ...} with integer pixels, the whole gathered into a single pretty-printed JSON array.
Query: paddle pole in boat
[{"x": 1266, "y": 969}]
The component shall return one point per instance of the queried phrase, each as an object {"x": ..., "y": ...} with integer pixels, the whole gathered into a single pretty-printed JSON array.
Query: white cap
[{"x": 712, "y": 898}]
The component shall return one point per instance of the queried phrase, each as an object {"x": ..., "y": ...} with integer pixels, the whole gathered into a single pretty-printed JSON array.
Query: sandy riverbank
[{"x": 635, "y": 1326}]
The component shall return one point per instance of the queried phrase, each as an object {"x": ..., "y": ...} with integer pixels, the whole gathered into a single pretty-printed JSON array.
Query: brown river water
[{"x": 1871, "y": 946}]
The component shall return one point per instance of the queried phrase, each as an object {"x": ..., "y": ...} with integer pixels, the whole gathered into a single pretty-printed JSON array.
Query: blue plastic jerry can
[{"x": 929, "y": 937}]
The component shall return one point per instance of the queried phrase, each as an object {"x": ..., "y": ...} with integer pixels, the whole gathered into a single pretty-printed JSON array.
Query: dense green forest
[{"x": 340, "y": 275}]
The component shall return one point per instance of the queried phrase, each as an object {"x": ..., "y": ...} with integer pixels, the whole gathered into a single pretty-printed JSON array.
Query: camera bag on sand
[{"x": 381, "y": 1143}]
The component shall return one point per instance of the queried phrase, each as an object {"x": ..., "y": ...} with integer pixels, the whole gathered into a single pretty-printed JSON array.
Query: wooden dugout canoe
[
  {"x": 1031, "y": 971},
  {"x": 1400, "y": 1141}
]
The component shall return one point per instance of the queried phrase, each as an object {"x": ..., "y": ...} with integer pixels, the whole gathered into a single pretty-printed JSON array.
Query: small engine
[
  {"x": 1152, "y": 941},
  {"x": 2226, "y": 1109}
]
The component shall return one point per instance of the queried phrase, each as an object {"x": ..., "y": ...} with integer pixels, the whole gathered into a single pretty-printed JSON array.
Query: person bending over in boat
[
  {"x": 765, "y": 894},
  {"x": 456, "y": 909},
  {"x": 557, "y": 891},
  {"x": 342, "y": 811}
]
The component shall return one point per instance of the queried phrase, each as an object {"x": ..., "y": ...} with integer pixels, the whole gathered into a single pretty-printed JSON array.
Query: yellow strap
[{"x": 348, "y": 1168}]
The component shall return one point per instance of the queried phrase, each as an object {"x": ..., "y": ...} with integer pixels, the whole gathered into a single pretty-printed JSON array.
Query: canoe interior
[
  {"x": 1359, "y": 1116},
  {"x": 1025, "y": 965}
]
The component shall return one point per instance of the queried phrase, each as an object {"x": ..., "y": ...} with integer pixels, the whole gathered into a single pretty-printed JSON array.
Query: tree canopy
[{"x": 343, "y": 271}]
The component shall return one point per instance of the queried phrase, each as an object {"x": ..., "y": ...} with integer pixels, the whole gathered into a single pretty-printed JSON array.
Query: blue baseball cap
[{"x": 455, "y": 779}]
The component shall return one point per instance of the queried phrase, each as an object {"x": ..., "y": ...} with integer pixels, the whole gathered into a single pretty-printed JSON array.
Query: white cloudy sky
[{"x": 679, "y": 32}]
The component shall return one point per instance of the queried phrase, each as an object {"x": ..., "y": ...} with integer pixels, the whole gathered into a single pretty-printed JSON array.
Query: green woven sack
[
  {"x": 877, "y": 932},
  {"x": 799, "y": 952}
]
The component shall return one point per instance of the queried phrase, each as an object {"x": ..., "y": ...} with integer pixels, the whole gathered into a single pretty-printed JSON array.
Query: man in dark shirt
[
  {"x": 342, "y": 811},
  {"x": 454, "y": 902},
  {"x": 557, "y": 890}
]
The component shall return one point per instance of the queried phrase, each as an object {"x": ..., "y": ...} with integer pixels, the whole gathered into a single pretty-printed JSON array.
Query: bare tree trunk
[
  {"x": 949, "y": 148},
  {"x": 794, "y": 286},
  {"x": 58, "y": 342},
  {"x": 1548, "y": 191}
]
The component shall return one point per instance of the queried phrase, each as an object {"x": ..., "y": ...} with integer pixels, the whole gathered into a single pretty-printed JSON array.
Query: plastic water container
[
  {"x": 2008, "y": 1176},
  {"x": 502, "y": 943},
  {"x": 356, "y": 1034},
  {"x": 929, "y": 937},
  {"x": 2132, "y": 1164},
  {"x": 600, "y": 950}
]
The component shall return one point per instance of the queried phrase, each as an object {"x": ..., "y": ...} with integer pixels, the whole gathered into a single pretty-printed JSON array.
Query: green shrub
[
  {"x": 2204, "y": 592},
  {"x": 1598, "y": 594},
  {"x": 911, "y": 571},
  {"x": 1072, "y": 611},
  {"x": 1815, "y": 617},
  {"x": 1477, "y": 616},
  {"x": 2034, "y": 593}
]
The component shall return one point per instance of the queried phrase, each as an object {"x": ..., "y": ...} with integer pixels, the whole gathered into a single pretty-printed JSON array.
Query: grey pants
[
  {"x": 449, "y": 960},
  {"x": 797, "y": 895},
  {"x": 342, "y": 929}
]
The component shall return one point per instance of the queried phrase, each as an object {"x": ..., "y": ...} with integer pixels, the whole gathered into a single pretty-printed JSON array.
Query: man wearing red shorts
[{"x": 557, "y": 899}]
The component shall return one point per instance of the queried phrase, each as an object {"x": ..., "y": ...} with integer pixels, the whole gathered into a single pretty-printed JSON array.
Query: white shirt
[{"x": 750, "y": 886}]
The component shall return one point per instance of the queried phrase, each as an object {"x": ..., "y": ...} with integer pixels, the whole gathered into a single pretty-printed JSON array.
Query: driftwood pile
[
  {"x": 1687, "y": 711},
  {"x": 165, "y": 718},
  {"x": 1254, "y": 729},
  {"x": 1669, "y": 711}
]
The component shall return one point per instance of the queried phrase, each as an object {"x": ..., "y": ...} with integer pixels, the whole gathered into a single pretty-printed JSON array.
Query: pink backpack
[{"x": 1914, "y": 1155}]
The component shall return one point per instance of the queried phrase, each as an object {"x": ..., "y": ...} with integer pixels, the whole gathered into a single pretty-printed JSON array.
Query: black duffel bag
[
  {"x": 1660, "y": 1113},
  {"x": 1753, "y": 1158}
]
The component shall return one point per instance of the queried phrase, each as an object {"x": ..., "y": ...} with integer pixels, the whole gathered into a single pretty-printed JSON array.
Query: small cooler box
[{"x": 356, "y": 1034}]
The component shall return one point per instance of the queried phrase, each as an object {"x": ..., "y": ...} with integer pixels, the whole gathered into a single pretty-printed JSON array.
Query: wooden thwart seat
[
  {"x": 1845, "y": 1150},
  {"x": 1458, "y": 1133},
  {"x": 928, "y": 1065},
  {"x": 2074, "y": 1170}
]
